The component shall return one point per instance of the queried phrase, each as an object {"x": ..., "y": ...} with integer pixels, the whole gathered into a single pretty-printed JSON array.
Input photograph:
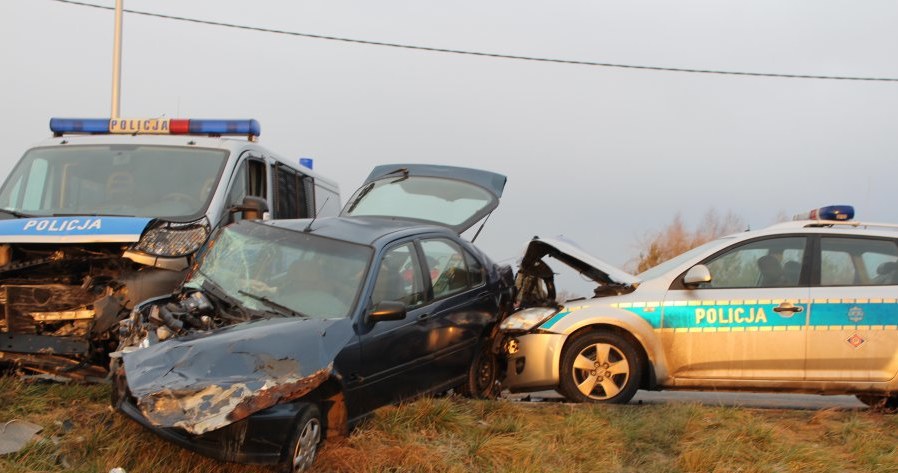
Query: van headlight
[
  {"x": 527, "y": 319},
  {"x": 172, "y": 239}
]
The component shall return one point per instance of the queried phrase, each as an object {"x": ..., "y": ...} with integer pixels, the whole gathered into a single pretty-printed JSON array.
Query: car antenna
[
  {"x": 481, "y": 227},
  {"x": 309, "y": 226}
]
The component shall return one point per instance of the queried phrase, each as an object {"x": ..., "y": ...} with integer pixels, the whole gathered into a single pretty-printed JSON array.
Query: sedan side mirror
[
  {"x": 387, "y": 310},
  {"x": 696, "y": 275}
]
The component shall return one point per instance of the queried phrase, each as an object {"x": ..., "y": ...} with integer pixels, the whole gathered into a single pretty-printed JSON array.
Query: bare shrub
[{"x": 675, "y": 238}]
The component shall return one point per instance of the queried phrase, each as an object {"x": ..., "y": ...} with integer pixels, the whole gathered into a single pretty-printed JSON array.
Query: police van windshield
[{"x": 129, "y": 180}]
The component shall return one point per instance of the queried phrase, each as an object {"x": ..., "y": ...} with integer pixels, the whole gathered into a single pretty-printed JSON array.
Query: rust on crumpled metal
[{"x": 217, "y": 405}]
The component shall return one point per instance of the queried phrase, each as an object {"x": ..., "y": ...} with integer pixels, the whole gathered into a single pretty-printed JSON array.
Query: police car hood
[
  {"x": 73, "y": 229},
  {"x": 572, "y": 255},
  {"x": 205, "y": 381}
]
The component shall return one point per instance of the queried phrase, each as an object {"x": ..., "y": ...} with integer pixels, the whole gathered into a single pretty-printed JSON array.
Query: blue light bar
[
  {"x": 830, "y": 212},
  {"x": 155, "y": 126},
  {"x": 225, "y": 127},
  {"x": 79, "y": 125}
]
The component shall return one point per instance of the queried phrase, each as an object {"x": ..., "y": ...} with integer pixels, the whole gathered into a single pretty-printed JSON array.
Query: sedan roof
[{"x": 361, "y": 230}]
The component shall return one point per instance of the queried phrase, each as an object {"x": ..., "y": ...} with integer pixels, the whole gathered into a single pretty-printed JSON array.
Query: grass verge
[{"x": 82, "y": 434}]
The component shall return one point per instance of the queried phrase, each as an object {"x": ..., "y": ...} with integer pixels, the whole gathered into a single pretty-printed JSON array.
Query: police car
[
  {"x": 805, "y": 306},
  {"x": 109, "y": 212}
]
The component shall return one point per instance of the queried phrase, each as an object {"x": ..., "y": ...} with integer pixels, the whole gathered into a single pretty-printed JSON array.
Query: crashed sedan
[{"x": 292, "y": 331}]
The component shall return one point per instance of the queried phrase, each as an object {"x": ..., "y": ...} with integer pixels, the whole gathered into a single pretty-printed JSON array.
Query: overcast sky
[{"x": 601, "y": 155}]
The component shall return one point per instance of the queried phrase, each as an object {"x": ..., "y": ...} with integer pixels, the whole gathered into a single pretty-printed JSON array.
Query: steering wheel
[{"x": 181, "y": 198}]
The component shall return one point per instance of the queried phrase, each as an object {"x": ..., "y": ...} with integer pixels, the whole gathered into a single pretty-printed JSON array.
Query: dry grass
[{"x": 82, "y": 434}]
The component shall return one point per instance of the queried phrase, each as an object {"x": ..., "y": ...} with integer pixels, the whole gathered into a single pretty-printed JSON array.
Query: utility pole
[{"x": 117, "y": 61}]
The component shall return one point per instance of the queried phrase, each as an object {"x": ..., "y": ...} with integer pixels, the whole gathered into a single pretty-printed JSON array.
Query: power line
[{"x": 484, "y": 54}]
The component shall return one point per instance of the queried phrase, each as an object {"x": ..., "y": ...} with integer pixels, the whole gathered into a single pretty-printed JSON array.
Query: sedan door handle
[
  {"x": 788, "y": 307},
  {"x": 423, "y": 316}
]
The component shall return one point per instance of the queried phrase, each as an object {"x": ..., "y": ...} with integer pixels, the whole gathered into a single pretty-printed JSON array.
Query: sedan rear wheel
[
  {"x": 483, "y": 376},
  {"x": 600, "y": 367}
]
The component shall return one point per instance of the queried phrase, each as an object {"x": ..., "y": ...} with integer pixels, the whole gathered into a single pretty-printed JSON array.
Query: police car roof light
[
  {"x": 225, "y": 127},
  {"x": 174, "y": 126},
  {"x": 830, "y": 212},
  {"x": 79, "y": 125}
]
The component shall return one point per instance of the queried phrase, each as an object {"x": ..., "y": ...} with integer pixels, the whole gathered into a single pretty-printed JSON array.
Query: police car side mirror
[
  {"x": 696, "y": 275},
  {"x": 253, "y": 208}
]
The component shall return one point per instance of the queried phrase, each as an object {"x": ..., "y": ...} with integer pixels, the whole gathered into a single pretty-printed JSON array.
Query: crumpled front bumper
[
  {"x": 534, "y": 366},
  {"x": 259, "y": 438}
]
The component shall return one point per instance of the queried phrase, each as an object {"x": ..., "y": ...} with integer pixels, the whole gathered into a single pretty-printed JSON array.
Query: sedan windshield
[
  {"x": 138, "y": 181},
  {"x": 285, "y": 272}
]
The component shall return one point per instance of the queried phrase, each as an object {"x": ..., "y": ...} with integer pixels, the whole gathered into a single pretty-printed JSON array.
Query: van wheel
[
  {"x": 303, "y": 447},
  {"x": 885, "y": 403},
  {"x": 600, "y": 367},
  {"x": 483, "y": 376}
]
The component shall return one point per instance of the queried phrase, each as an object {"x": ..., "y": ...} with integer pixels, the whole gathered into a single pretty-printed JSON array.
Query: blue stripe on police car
[{"x": 52, "y": 228}]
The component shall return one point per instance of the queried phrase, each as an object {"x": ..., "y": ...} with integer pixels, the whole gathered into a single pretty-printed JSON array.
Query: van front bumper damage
[{"x": 58, "y": 308}]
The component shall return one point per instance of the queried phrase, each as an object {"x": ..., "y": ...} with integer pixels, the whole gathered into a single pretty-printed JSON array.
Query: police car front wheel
[{"x": 600, "y": 367}]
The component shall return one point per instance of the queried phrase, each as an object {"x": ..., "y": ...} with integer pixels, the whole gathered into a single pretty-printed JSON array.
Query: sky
[{"x": 603, "y": 156}]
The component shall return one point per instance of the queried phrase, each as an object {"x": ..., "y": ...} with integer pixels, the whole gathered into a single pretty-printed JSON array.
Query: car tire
[
  {"x": 886, "y": 403},
  {"x": 304, "y": 442},
  {"x": 483, "y": 376},
  {"x": 600, "y": 367}
]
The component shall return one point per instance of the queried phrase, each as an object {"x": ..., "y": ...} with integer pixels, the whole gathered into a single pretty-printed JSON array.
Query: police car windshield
[
  {"x": 266, "y": 267},
  {"x": 132, "y": 180},
  {"x": 672, "y": 263}
]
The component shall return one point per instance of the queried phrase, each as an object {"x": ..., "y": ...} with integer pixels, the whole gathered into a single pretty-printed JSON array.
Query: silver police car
[{"x": 806, "y": 306}]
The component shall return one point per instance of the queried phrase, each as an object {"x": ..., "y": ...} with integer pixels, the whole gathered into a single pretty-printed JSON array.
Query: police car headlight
[
  {"x": 527, "y": 319},
  {"x": 171, "y": 239}
]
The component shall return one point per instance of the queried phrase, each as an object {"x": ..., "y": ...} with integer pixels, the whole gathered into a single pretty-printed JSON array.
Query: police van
[
  {"x": 806, "y": 306},
  {"x": 109, "y": 212}
]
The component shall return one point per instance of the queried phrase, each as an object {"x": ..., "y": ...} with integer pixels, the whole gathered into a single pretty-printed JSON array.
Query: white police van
[
  {"x": 110, "y": 212},
  {"x": 804, "y": 306}
]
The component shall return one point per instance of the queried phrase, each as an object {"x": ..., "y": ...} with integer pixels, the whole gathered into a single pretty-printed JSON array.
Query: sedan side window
[
  {"x": 448, "y": 270},
  {"x": 858, "y": 262},
  {"x": 399, "y": 277},
  {"x": 774, "y": 262}
]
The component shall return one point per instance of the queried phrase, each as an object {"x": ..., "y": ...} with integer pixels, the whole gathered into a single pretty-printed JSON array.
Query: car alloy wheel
[
  {"x": 306, "y": 439},
  {"x": 600, "y": 367}
]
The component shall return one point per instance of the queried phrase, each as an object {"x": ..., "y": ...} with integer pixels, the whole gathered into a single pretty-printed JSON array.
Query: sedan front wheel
[
  {"x": 303, "y": 447},
  {"x": 600, "y": 367}
]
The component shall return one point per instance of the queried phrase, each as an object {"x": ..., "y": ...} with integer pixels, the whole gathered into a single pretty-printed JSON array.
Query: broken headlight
[
  {"x": 174, "y": 239},
  {"x": 526, "y": 319}
]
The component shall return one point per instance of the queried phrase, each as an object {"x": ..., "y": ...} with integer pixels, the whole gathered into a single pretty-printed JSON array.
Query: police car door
[
  {"x": 854, "y": 314},
  {"x": 748, "y": 322}
]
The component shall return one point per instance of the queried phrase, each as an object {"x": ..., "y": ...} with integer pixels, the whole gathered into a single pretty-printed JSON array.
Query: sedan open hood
[
  {"x": 449, "y": 196},
  {"x": 209, "y": 380},
  {"x": 578, "y": 259}
]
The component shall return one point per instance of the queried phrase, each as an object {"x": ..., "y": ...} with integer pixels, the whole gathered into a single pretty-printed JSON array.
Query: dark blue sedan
[{"x": 289, "y": 332}]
